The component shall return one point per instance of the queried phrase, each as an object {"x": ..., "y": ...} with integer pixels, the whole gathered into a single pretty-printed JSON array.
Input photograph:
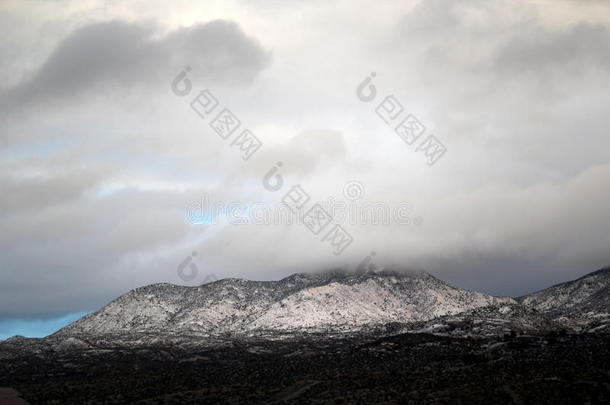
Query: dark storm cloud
[{"x": 112, "y": 55}]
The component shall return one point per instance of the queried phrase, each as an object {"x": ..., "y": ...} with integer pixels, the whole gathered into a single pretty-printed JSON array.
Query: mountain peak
[
  {"x": 342, "y": 274},
  {"x": 603, "y": 271}
]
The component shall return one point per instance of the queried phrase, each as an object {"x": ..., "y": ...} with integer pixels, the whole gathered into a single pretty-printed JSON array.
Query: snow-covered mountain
[
  {"x": 343, "y": 301},
  {"x": 314, "y": 302},
  {"x": 584, "y": 302}
]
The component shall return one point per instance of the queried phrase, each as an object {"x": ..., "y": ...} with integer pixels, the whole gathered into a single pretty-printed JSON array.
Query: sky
[{"x": 112, "y": 148}]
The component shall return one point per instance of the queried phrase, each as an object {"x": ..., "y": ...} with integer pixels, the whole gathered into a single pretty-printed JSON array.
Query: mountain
[
  {"x": 332, "y": 301},
  {"x": 583, "y": 303}
]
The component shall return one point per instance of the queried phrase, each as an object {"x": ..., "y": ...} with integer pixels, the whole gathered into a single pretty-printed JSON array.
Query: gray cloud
[
  {"x": 115, "y": 55},
  {"x": 25, "y": 193},
  {"x": 542, "y": 51},
  {"x": 498, "y": 41},
  {"x": 87, "y": 250}
]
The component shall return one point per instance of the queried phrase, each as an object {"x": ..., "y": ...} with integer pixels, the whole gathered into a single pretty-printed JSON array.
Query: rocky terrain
[
  {"x": 337, "y": 301},
  {"x": 397, "y": 369},
  {"x": 582, "y": 304},
  {"x": 328, "y": 338},
  {"x": 488, "y": 321}
]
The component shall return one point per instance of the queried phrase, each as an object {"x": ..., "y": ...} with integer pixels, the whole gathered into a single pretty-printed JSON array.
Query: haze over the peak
[{"x": 101, "y": 160}]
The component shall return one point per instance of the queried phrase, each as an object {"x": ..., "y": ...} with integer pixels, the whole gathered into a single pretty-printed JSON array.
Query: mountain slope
[
  {"x": 326, "y": 301},
  {"x": 492, "y": 320},
  {"x": 584, "y": 301}
]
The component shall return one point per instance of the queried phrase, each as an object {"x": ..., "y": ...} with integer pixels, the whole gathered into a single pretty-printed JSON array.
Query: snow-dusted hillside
[
  {"x": 324, "y": 301},
  {"x": 584, "y": 301},
  {"x": 372, "y": 298}
]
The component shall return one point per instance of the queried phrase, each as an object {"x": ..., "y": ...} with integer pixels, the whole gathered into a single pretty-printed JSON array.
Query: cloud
[
  {"x": 491, "y": 42},
  {"x": 218, "y": 50},
  {"x": 119, "y": 55},
  {"x": 543, "y": 51},
  {"x": 303, "y": 153},
  {"x": 35, "y": 192}
]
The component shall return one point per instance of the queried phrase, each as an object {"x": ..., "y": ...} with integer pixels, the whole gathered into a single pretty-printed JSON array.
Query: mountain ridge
[
  {"x": 582, "y": 303},
  {"x": 333, "y": 300},
  {"x": 337, "y": 300}
]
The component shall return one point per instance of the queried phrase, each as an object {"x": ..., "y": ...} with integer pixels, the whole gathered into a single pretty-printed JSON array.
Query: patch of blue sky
[{"x": 36, "y": 327}]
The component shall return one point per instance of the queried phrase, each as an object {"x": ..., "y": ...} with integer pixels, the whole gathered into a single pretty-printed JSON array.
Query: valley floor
[{"x": 401, "y": 369}]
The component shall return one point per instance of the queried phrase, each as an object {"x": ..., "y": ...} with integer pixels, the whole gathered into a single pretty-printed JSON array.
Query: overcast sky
[{"x": 102, "y": 163}]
